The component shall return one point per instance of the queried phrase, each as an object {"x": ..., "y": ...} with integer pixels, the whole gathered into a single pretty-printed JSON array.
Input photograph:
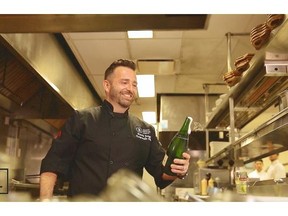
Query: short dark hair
[
  {"x": 117, "y": 63},
  {"x": 259, "y": 160}
]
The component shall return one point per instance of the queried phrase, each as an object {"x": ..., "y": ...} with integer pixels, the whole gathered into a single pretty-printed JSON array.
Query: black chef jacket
[{"x": 96, "y": 142}]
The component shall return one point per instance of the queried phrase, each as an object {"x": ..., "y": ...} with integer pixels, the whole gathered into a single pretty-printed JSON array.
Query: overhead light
[
  {"x": 149, "y": 117},
  {"x": 140, "y": 34},
  {"x": 146, "y": 86}
]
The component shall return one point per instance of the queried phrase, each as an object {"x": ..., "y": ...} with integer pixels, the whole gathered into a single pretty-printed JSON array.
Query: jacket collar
[{"x": 109, "y": 107}]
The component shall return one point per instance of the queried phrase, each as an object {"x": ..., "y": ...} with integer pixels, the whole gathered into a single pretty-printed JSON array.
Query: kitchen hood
[
  {"x": 24, "y": 95},
  {"x": 39, "y": 80}
]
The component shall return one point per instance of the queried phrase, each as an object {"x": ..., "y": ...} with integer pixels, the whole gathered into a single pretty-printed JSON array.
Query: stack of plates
[
  {"x": 232, "y": 78},
  {"x": 274, "y": 20},
  {"x": 260, "y": 34},
  {"x": 242, "y": 62}
]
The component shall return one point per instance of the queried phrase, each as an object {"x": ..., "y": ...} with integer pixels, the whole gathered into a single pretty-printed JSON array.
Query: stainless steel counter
[{"x": 261, "y": 191}]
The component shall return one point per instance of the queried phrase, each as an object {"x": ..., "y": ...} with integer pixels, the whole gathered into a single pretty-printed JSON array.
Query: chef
[
  {"x": 259, "y": 172},
  {"x": 98, "y": 141},
  {"x": 276, "y": 170}
]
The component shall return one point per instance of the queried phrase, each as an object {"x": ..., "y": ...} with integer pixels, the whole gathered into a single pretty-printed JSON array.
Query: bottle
[
  {"x": 241, "y": 179},
  {"x": 210, "y": 187},
  {"x": 211, "y": 182},
  {"x": 204, "y": 187},
  {"x": 178, "y": 145}
]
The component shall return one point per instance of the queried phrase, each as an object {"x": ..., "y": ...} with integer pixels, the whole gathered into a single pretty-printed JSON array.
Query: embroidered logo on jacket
[{"x": 143, "y": 134}]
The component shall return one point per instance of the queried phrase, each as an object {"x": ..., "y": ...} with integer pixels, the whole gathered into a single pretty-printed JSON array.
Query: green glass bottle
[{"x": 178, "y": 145}]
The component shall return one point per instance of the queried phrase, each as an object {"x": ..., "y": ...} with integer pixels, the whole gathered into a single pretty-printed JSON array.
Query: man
[
  {"x": 97, "y": 142},
  {"x": 258, "y": 172},
  {"x": 276, "y": 170}
]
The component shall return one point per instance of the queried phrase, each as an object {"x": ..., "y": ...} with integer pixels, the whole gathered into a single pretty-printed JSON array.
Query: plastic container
[{"x": 215, "y": 147}]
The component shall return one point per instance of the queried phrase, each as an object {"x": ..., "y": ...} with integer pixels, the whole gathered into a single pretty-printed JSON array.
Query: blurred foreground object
[{"x": 125, "y": 186}]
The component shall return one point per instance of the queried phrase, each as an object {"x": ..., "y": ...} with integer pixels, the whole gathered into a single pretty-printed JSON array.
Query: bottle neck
[{"x": 185, "y": 129}]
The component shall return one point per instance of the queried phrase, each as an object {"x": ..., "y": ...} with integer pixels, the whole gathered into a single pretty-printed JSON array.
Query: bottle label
[
  {"x": 164, "y": 160},
  {"x": 167, "y": 162},
  {"x": 241, "y": 182}
]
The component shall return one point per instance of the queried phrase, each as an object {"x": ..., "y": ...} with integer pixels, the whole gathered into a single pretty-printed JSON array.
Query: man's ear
[{"x": 106, "y": 85}]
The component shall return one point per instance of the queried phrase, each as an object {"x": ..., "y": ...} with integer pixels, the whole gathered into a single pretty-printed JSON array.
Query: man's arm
[{"x": 47, "y": 183}]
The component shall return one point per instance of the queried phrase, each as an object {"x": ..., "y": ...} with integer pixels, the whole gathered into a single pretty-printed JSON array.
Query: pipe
[{"x": 228, "y": 35}]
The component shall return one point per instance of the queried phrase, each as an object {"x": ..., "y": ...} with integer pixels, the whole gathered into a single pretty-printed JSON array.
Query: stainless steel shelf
[
  {"x": 256, "y": 91},
  {"x": 267, "y": 139}
]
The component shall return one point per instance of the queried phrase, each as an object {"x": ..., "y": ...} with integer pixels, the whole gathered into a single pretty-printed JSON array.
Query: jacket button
[{"x": 111, "y": 162}]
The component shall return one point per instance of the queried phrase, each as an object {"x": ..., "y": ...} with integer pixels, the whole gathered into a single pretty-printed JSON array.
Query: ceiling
[
  {"x": 186, "y": 52},
  {"x": 182, "y": 60}
]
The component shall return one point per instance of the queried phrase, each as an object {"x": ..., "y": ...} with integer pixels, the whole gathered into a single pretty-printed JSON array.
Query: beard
[{"x": 124, "y": 98}]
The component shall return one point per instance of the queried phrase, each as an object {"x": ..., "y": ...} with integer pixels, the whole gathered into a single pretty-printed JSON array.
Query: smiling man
[{"x": 97, "y": 142}]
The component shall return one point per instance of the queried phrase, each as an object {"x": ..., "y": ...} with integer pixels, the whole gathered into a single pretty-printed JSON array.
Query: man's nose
[{"x": 131, "y": 87}]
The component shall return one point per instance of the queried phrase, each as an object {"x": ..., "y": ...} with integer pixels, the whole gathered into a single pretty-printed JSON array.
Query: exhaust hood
[
  {"x": 40, "y": 80},
  {"x": 24, "y": 95}
]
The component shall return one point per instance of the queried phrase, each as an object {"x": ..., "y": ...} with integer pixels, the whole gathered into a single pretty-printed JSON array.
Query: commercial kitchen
[{"x": 227, "y": 71}]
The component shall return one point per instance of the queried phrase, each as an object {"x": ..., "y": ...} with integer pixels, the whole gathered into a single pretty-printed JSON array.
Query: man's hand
[{"x": 179, "y": 167}]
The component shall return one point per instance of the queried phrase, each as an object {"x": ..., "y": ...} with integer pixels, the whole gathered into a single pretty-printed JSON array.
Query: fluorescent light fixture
[
  {"x": 149, "y": 117},
  {"x": 146, "y": 86},
  {"x": 140, "y": 34}
]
